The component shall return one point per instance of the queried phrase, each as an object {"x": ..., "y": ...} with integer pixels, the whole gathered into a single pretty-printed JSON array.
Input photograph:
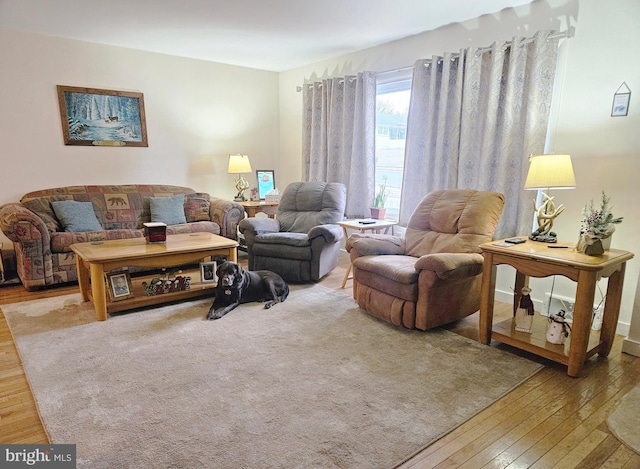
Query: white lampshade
[
  {"x": 550, "y": 172},
  {"x": 239, "y": 164}
]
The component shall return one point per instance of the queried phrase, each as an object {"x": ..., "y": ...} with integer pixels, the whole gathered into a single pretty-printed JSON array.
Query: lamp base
[{"x": 239, "y": 198}]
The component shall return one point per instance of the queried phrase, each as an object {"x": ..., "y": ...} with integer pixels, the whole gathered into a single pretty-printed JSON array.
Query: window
[{"x": 392, "y": 107}]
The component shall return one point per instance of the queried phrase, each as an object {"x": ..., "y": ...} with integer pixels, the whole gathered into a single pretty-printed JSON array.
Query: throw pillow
[
  {"x": 169, "y": 210},
  {"x": 76, "y": 216},
  {"x": 196, "y": 207}
]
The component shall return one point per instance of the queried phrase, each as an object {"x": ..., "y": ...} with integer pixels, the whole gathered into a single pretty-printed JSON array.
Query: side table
[
  {"x": 536, "y": 259},
  {"x": 376, "y": 227},
  {"x": 254, "y": 207}
]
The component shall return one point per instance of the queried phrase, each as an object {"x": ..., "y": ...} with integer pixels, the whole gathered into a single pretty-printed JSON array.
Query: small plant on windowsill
[
  {"x": 596, "y": 226},
  {"x": 378, "y": 210}
]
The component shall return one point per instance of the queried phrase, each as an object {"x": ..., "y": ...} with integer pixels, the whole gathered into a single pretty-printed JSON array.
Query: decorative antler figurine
[{"x": 547, "y": 212}]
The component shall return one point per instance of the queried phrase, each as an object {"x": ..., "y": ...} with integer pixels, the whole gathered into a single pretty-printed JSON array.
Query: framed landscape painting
[{"x": 102, "y": 117}]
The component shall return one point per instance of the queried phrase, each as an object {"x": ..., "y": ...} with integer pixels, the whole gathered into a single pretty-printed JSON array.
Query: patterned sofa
[{"x": 42, "y": 247}]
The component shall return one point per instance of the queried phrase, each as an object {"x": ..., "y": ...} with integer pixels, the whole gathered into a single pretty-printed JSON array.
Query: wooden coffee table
[{"x": 93, "y": 259}]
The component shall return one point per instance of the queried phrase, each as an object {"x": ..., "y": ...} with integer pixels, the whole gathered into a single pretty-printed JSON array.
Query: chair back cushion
[
  {"x": 454, "y": 220},
  {"x": 304, "y": 205}
]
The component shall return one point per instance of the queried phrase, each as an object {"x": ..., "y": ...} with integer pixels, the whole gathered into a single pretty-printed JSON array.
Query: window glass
[{"x": 392, "y": 107}]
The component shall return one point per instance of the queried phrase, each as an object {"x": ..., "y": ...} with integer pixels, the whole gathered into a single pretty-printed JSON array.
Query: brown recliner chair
[{"x": 432, "y": 276}]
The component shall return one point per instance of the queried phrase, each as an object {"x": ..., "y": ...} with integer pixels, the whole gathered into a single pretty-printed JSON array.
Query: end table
[
  {"x": 537, "y": 259},
  {"x": 376, "y": 227},
  {"x": 253, "y": 207}
]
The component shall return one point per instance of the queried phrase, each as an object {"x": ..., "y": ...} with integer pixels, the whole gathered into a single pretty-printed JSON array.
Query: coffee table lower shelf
[
  {"x": 141, "y": 299},
  {"x": 536, "y": 341}
]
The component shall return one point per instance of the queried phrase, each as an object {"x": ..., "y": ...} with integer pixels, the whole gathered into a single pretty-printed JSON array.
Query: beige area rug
[
  {"x": 312, "y": 382},
  {"x": 624, "y": 422}
]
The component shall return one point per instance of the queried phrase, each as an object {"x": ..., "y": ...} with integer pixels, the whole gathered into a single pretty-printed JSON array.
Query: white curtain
[
  {"x": 473, "y": 121},
  {"x": 338, "y": 136}
]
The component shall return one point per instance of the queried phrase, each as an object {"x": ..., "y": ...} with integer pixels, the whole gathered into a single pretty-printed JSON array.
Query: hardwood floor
[{"x": 550, "y": 421}]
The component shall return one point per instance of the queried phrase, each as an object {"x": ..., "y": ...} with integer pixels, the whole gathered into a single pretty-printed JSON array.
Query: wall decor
[
  {"x": 119, "y": 284},
  {"x": 208, "y": 272},
  {"x": 102, "y": 117},
  {"x": 621, "y": 100},
  {"x": 266, "y": 182}
]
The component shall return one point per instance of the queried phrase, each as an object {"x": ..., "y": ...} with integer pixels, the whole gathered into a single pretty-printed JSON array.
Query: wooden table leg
[
  {"x": 233, "y": 254},
  {"x": 346, "y": 275},
  {"x": 581, "y": 327},
  {"x": 83, "y": 278},
  {"x": 611, "y": 310},
  {"x": 98, "y": 291},
  {"x": 521, "y": 282},
  {"x": 487, "y": 295}
]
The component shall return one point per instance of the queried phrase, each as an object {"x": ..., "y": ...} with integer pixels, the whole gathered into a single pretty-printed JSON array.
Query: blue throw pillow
[
  {"x": 169, "y": 210},
  {"x": 76, "y": 216}
]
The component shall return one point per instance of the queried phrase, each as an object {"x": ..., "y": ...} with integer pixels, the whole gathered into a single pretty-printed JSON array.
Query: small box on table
[{"x": 155, "y": 232}]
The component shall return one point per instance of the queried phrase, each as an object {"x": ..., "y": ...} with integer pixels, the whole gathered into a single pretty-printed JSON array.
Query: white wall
[
  {"x": 592, "y": 66},
  {"x": 197, "y": 113}
]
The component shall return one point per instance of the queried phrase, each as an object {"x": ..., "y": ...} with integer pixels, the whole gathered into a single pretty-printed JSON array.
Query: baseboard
[{"x": 631, "y": 347}]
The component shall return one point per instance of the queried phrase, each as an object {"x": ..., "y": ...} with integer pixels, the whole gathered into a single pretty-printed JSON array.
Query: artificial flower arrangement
[{"x": 596, "y": 225}]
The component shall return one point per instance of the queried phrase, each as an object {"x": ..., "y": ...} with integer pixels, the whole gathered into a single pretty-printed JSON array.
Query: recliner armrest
[
  {"x": 375, "y": 244},
  {"x": 331, "y": 233},
  {"x": 451, "y": 265},
  {"x": 259, "y": 225}
]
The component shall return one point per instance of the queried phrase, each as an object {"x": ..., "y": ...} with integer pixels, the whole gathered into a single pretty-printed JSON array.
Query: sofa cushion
[
  {"x": 61, "y": 241},
  {"x": 76, "y": 216},
  {"x": 169, "y": 210}
]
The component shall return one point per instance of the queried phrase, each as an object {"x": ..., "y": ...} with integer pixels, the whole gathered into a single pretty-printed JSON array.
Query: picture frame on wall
[
  {"x": 208, "y": 272},
  {"x": 98, "y": 117},
  {"x": 266, "y": 182},
  {"x": 621, "y": 98},
  {"x": 119, "y": 285}
]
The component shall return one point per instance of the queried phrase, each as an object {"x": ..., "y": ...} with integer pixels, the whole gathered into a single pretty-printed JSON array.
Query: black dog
[{"x": 236, "y": 285}]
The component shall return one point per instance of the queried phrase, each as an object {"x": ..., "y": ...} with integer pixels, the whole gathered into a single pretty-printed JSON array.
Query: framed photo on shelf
[
  {"x": 119, "y": 284},
  {"x": 266, "y": 182},
  {"x": 208, "y": 272},
  {"x": 92, "y": 116}
]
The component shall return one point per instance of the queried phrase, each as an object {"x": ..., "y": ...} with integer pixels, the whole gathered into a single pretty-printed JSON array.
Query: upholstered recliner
[
  {"x": 432, "y": 276},
  {"x": 303, "y": 242}
]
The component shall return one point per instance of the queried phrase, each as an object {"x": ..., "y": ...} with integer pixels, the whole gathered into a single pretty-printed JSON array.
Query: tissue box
[
  {"x": 155, "y": 232},
  {"x": 272, "y": 198}
]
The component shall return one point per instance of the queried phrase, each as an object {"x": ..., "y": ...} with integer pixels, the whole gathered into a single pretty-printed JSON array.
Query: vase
[
  {"x": 595, "y": 249},
  {"x": 606, "y": 243},
  {"x": 378, "y": 213}
]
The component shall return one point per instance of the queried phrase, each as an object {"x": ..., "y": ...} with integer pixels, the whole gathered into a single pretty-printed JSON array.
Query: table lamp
[
  {"x": 552, "y": 171},
  {"x": 239, "y": 164}
]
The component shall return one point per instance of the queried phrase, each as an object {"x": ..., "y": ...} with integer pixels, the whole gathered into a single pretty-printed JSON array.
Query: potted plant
[
  {"x": 378, "y": 210},
  {"x": 596, "y": 228}
]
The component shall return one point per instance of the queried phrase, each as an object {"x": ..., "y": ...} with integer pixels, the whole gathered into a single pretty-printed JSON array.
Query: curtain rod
[{"x": 481, "y": 50}]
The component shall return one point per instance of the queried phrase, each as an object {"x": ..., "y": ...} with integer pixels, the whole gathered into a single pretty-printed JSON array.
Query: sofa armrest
[
  {"x": 32, "y": 242},
  {"x": 451, "y": 265},
  {"x": 21, "y": 225},
  {"x": 374, "y": 244},
  {"x": 330, "y": 232},
  {"x": 227, "y": 214}
]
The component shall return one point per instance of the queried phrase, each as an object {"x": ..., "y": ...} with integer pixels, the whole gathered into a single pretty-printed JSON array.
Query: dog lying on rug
[{"x": 236, "y": 286}]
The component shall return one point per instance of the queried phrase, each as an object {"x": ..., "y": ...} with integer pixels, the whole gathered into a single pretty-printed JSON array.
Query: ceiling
[{"x": 272, "y": 35}]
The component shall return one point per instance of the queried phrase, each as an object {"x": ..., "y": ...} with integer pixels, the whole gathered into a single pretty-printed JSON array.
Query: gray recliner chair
[{"x": 303, "y": 242}]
